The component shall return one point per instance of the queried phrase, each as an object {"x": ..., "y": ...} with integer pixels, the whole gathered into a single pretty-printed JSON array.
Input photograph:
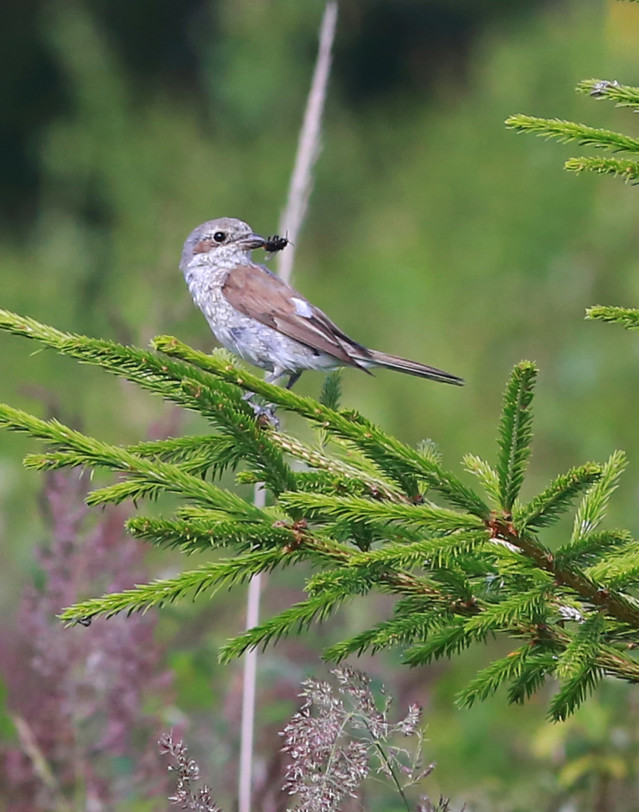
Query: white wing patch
[{"x": 302, "y": 307}]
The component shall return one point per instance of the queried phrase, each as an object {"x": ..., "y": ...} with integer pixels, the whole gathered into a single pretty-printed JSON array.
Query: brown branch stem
[{"x": 611, "y": 601}]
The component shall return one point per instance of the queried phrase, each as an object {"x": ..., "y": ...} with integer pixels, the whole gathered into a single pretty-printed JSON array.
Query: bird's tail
[{"x": 383, "y": 359}]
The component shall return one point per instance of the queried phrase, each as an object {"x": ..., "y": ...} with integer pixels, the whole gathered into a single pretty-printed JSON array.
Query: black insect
[{"x": 275, "y": 243}]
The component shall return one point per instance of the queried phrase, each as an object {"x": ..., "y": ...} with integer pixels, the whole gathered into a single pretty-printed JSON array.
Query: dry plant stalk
[{"x": 291, "y": 222}]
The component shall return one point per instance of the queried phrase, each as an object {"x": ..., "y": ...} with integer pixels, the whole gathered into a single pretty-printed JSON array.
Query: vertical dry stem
[
  {"x": 308, "y": 149},
  {"x": 249, "y": 683}
]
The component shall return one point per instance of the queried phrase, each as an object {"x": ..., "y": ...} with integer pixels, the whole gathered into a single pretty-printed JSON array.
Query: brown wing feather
[{"x": 261, "y": 295}]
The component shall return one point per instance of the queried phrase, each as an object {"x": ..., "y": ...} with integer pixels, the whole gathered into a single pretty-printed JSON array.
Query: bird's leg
[
  {"x": 267, "y": 410},
  {"x": 293, "y": 379}
]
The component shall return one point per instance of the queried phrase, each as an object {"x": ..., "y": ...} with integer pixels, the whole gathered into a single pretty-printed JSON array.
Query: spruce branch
[
  {"x": 327, "y": 483},
  {"x": 295, "y": 619},
  {"x": 209, "y": 578},
  {"x": 548, "y": 506},
  {"x": 83, "y": 450},
  {"x": 454, "y": 582},
  {"x": 628, "y": 317},
  {"x": 486, "y": 474},
  {"x": 175, "y": 381},
  {"x": 540, "y": 662},
  {"x": 195, "y": 535},
  {"x": 400, "y": 462},
  {"x": 314, "y": 458},
  {"x": 130, "y": 490},
  {"x": 591, "y": 546},
  {"x": 618, "y": 570},
  {"x": 617, "y": 663},
  {"x": 581, "y": 652},
  {"x": 623, "y": 95},
  {"x": 197, "y": 456},
  {"x": 618, "y": 605},
  {"x": 624, "y": 168},
  {"x": 202, "y": 454},
  {"x": 362, "y": 577},
  {"x": 333, "y": 508},
  {"x": 404, "y": 628},
  {"x": 567, "y": 131},
  {"x": 436, "y": 551},
  {"x": 441, "y": 643},
  {"x": 350, "y": 472},
  {"x": 515, "y": 433},
  {"x": 460, "y": 573},
  {"x": 574, "y": 691},
  {"x": 594, "y": 505},
  {"x": 507, "y": 669},
  {"x": 524, "y": 608},
  {"x": 331, "y": 395}
]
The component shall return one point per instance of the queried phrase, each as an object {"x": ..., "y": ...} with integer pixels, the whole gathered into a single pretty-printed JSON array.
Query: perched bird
[{"x": 261, "y": 318}]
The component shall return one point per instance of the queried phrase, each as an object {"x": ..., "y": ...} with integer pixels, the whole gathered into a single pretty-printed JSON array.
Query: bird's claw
[{"x": 264, "y": 414}]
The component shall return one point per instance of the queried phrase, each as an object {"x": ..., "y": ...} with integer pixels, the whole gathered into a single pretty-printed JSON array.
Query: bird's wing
[{"x": 261, "y": 295}]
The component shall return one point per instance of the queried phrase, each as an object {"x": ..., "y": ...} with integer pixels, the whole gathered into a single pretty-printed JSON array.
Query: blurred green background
[{"x": 433, "y": 232}]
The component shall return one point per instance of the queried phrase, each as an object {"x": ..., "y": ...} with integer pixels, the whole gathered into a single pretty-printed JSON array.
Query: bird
[{"x": 261, "y": 318}]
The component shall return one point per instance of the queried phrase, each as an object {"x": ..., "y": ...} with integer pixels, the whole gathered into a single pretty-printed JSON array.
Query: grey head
[{"x": 218, "y": 241}]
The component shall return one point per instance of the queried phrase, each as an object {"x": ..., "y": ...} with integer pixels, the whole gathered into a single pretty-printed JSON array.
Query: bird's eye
[{"x": 219, "y": 236}]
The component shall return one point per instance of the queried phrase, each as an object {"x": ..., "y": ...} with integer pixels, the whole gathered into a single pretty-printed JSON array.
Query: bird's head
[{"x": 218, "y": 241}]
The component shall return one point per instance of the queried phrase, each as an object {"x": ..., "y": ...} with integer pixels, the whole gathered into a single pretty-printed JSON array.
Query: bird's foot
[
  {"x": 265, "y": 415},
  {"x": 264, "y": 412}
]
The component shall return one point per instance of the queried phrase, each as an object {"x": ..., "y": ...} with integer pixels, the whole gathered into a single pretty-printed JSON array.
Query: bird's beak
[{"x": 253, "y": 241}]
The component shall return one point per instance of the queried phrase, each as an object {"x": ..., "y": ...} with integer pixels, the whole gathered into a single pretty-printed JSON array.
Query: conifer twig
[
  {"x": 515, "y": 433},
  {"x": 566, "y": 131},
  {"x": 623, "y": 95},
  {"x": 622, "y": 168},
  {"x": 628, "y": 317},
  {"x": 400, "y": 462}
]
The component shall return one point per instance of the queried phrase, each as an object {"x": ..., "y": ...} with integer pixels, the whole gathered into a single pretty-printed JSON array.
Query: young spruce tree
[{"x": 374, "y": 514}]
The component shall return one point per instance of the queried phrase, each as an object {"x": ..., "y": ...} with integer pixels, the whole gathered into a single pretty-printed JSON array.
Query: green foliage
[
  {"x": 505, "y": 670},
  {"x": 577, "y": 667},
  {"x": 569, "y": 131},
  {"x": 515, "y": 433},
  {"x": 594, "y": 505},
  {"x": 546, "y": 508},
  {"x": 628, "y": 317},
  {"x": 402, "y": 464},
  {"x": 623, "y": 95},
  {"x": 496, "y": 253},
  {"x": 487, "y": 475},
  {"x": 365, "y": 519},
  {"x": 622, "y": 168},
  {"x": 332, "y": 390}
]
